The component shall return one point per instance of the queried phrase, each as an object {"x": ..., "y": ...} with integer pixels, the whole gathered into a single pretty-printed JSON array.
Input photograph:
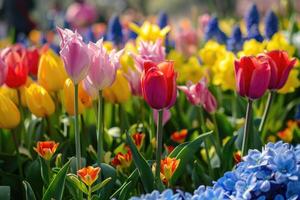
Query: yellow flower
[
  {"x": 11, "y": 93},
  {"x": 84, "y": 100},
  {"x": 178, "y": 59},
  {"x": 39, "y": 101},
  {"x": 22, "y": 89},
  {"x": 191, "y": 71},
  {"x": 223, "y": 72},
  {"x": 126, "y": 60},
  {"x": 279, "y": 42},
  {"x": 51, "y": 74},
  {"x": 119, "y": 91},
  {"x": 252, "y": 48},
  {"x": 108, "y": 45},
  {"x": 226, "y": 25},
  {"x": 168, "y": 167},
  {"x": 149, "y": 32},
  {"x": 9, "y": 113},
  {"x": 292, "y": 82},
  {"x": 288, "y": 133},
  {"x": 211, "y": 52},
  {"x": 35, "y": 36}
]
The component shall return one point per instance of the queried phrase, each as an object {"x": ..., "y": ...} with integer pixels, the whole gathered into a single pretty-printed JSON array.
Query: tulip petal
[{"x": 259, "y": 81}]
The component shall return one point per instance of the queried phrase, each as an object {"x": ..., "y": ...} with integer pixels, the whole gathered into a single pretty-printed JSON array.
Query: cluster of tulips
[{"x": 83, "y": 119}]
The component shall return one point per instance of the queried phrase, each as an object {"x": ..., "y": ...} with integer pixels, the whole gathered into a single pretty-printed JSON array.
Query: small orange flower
[
  {"x": 287, "y": 134},
  {"x": 122, "y": 161},
  {"x": 46, "y": 149},
  {"x": 237, "y": 157},
  {"x": 138, "y": 139},
  {"x": 89, "y": 174},
  {"x": 167, "y": 168},
  {"x": 179, "y": 136}
]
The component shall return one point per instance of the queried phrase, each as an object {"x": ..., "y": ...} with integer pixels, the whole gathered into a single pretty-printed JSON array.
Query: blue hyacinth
[
  {"x": 271, "y": 24},
  {"x": 114, "y": 30},
  {"x": 236, "y": 41},
  {"x": 162, "y": 20},
  {"x": 273, "y": 173},
  {"x": 252, "y": 17},
  {"x": 213, "y": 31}
]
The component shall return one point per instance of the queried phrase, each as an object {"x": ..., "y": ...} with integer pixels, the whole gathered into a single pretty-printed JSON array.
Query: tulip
[
  {"x": 134, "y": 78},
  {"x": 17, "y": 71},
  {"x": 11, "y": 93},
  {"x": 168, "y": 167},
  {"x": 89, "y": 174},
  {"x": 9, "y": 113},
  {"x": 281, "y": 68},
  {"x": 39, "y": 101},
  {"x": 32, "y": 57},
  {"x": 119, "y": 91},
  {"x": 179, "y": 136},
  {"x": 84, "y": 100},
  {"x": 104, "y": 65},
  {"x": 159, "y": 84},
  {"x": 138, "y": 139},
  {"x": 122, "y": 161},
  {"x": 3, "y": 72},
  {"x": 75, "y": 54},
  {"x": 46, "y": 149},
  {"x": 252, "y": 76},
  {"x": 51, "y": 73},
  {"x": 198, "y": 94}
]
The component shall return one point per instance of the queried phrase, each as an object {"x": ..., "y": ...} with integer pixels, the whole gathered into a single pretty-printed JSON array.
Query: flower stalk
[
  {"x": 100, "y": 128},
  {"x": 247, "y": 127},
  {"x": 77, "y": 133},
  {"x": 264, "y": 119},
  {"x": 159, "y": 139}
]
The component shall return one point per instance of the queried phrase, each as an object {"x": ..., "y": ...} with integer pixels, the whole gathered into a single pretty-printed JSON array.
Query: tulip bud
[
  {"x": 167, "y": 168},
  {"x": 252, "y": 76},
  {"x": 39, "y": 101},
  {"x": 32, "y": 57},
  {"x": 89, "y": 174},
  {"x": 46, "y": 149},
  {"x": 179, "y": 136},
  {"x": 138, "y": 139},
  {"x": 9, "y": 113},
  {"x": 159, "y": 84},
  {"x": 75, "y": 54},
  {"x": 51, "y": 73},
  {"x": 122, "y": 161}
]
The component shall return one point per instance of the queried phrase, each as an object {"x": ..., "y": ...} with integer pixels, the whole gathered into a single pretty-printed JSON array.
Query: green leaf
[
  {"x": 72, "y": 178},
  {"x": 142, "y": 166},
  {"x": 106, "y": 172},
  {"x": 57, "y": 185},
  {"x": 124, "y": 192},
  {"x": 177, "y": 149},
  {"x": 28, "y": 191},
  {"x": 100, "y": 185},
  {"x": 44, "y": 171},
  {"x": 4, "y": 192},
  {"x": 186, "y": 154}
]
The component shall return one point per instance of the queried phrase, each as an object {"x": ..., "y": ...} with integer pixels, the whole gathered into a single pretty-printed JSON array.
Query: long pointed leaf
[{"x": 28, "y": 191}]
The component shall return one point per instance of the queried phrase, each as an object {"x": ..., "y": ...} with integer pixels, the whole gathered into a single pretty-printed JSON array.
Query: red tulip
[
  {"x": 159, "y": 84},
  {"x": 280, "y": 69},
  {"x": 32, "y": 60},
  {"x": 17, "y": 71},
  {"x": 252, "y": 76}
]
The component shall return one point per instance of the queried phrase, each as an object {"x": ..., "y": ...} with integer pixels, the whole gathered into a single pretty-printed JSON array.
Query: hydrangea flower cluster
[{"x": 273, "y": 173}]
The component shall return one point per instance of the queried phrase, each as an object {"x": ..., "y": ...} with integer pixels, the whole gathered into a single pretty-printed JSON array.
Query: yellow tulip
[
  {"x": 149, "y": 32},
  {"x": 126, "y": 60},
  {"x": 84, "y": 100},
  {"x": 9, "y": 113},
  {"x": 11, "y": 93},
  {"x": 119, "y": 91},
  {"x": 211, "y": 52},
  {"x": 223, "y": 72},
  {"x": 51, "y": 74},
  {"x": 39, "y": 101},
  {"x": 252, "y": 48},
  {"x": 279, "y": 42}
]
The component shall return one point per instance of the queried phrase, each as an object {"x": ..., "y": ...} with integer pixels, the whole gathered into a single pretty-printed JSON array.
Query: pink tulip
[
  {"x": 104, "y": 65},
  {"x": 75, "y": 54},
  {"x": 252, "y": 75},
  {"x": 3, "y": 72},
  {"x": 198, "y": 94},
  {"x": 166, "y": 116},
  {"x": 90, "y": 89},
  {"x": 281, "y": 65},
  {"x": 134, "y": 79}
]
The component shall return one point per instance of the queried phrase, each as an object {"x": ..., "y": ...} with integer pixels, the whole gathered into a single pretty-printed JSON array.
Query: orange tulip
[
  {"x": 89, "y": 174},
  {"x": 46, "y": 149},
  {"x": 167, "y": 168},
  {"x": 179, "y": 136}
]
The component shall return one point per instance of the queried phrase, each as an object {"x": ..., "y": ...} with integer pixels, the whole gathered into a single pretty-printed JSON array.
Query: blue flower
[
  {"x": 252, "y": 17},
  {"x": 114, "y": 30},
  {"x": 236, "y": 41},
  {"x": 297, "y": 114},
  {"x": 213, "y": 31},
  {"x": 162, "y": 20},
  {"x": 271, "y": 24}
]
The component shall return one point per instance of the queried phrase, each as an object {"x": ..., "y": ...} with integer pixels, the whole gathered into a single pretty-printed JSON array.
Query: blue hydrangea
[
  {"x": 273, "y": 173},
  {"x": 114, "y": 30},
  {"x": 271, "y": 24},
  {"x": 236, "y": 41},
  {"x": 213, "y": 31}
]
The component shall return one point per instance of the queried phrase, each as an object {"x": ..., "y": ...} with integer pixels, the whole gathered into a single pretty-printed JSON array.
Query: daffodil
[
  {"x": 211, "y": 52},
  {"x": 279, "y": 42},
  {"x": 252, "y": 48},
  {"x": 191, "y": 71}
]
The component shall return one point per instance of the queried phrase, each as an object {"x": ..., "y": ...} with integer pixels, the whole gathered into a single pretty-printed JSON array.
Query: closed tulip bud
[
  {"x": 119, "y": 91},
  {"x": 11, "y": 93},
  {"x": 280, "y": 68},
  {"x": 89, "y": 174},
  {"x": 39, "y": 101},
  {"x": 84, "y": 100},
  {"x": 122, "y": 160},
  {"x": 75, "y": 54},
  {"x": 51, "y": 73},
  {"x": 3, "y": 72},
  {"x": 104, "y": 65},
  {"x": 46, "y": 149},
  {"x": 252, "y": 76},
  {"x": 9, "y": 113},
  {"x": 159, "y": 84}
]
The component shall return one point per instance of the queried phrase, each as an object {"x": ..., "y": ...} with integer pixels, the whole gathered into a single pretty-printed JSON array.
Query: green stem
[
  {"x": 14, "y": 136},
  {"x": 100, "y": 126},
  {"x": 77, "y": 133},
  {"x": 201, "y": 119},
  {"x": 159, "y": 141},
  {"x": 234, "y": 107},
  {"x": 247, "y": 127},
  {"x": 217, "y": 135},
  {"x": 90, "y": 193},
  {"x": 266, "y": 111}
]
